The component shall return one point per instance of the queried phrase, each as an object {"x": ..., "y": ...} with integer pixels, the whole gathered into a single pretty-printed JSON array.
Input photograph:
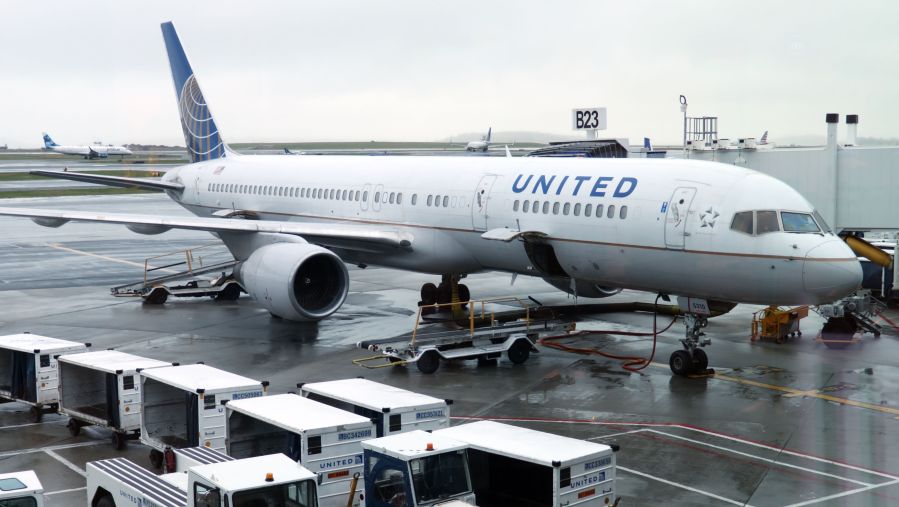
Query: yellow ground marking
[
  {"x": 98, "y": 256},
  {"x": 790, "y": 392}
]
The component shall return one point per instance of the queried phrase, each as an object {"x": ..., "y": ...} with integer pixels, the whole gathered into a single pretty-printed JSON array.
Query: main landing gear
[
  {"x": 692, "y": 359},
  {"x": 449, "y": 291}
]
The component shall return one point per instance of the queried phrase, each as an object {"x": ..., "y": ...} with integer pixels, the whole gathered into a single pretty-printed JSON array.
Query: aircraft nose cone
[{"x": 831, "y": 271}]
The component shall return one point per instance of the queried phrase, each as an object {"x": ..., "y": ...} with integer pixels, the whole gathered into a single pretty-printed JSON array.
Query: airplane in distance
[
  {"x": 483, "y": 145},
  {"x": 89, "y": 151},
  {"x": 704, "y": 230}
]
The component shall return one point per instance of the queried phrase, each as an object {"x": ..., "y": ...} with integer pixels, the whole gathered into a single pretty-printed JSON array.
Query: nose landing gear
[{"x": 692, "y": 359}]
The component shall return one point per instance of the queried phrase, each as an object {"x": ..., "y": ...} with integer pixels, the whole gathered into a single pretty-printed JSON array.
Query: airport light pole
[{"x": 683, "y": 109}]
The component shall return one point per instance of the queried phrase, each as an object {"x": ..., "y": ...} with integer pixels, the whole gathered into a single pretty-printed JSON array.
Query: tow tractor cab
[
  {"x": 511, "y": 465},
  {"x": 393, "y": 410},
  {"x": 21, "y": 489},
  {"x": 324, "y": 439},
  {"x": 264, "y": 481},
  {"x": 416, "y": 469},
  {"x": 28, "y": 370},
  {"x": 184, "y": 406}
]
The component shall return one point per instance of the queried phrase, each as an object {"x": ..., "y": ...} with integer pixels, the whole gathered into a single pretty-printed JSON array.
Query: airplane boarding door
[
  {"x": 479, "y": 202},
  {"x": 676, "y": 217}
]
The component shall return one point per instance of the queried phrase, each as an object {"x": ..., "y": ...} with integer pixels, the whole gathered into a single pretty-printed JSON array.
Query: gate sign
[{"x": 588, "y": 118}]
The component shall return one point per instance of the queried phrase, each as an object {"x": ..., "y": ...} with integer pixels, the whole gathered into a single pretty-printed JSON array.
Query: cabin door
[
  {"x": 676, "y": 217},
  {"x": 479, "y": 202}
]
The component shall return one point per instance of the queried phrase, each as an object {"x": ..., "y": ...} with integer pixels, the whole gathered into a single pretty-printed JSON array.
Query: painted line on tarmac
[
  {"x": 687, "y": 427},
  {"x": 64, "y": 491},
  {"x": 843, "y": 494},
  {"x": 760, "y": 458},
  {"x": 58, "y": 246},
  {"x": 683, "y": 486},
  {"x": 7, "y": 454},
  {"x": 72, "y": 466},
  {"x": 25, "y": 425},
  {"x": 620, "y": 433}
]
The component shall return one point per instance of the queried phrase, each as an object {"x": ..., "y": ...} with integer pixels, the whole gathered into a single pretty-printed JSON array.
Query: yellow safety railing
[
  {"x": 474, "y": 314},
  {"x": 192, "y": 260}
]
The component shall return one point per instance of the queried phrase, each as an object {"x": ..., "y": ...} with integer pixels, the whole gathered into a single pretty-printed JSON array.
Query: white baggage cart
[
  {"x": 184, "y": 406},
  {"x": 393, "y": 410},
  {"x": 102, "y": 388},
  {"x": 21, "y": 489},
  {"x": 511, "y": 465},
  {"x": 324, "y": 439},
  {"x": 28, "y": 370}
]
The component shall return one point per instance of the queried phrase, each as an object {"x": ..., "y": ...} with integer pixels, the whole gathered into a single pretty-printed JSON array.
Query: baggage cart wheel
[
  {"x": 156, "y": 296},
  {"x": 37, "y": 413},
  {"x": 156, "y": 459},
  {"x": 74, "y": 427},
  {"x": 230, "y": 293},
  {"x": 519, "y": 352},
  {"x": 428, "y": 362},
  {"x": 118, "y": 440}
]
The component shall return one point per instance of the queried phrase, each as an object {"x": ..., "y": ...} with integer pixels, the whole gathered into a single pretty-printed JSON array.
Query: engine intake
[{"x": 295, "y": 281}]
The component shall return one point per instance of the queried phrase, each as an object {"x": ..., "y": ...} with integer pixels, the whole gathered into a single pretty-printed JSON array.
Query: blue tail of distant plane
[
  {"x": 647, "y": 144},
  {"x": 489, "y": 133},
  {"x": 48, "y": 143},
  {"x": 200, "y": 131}
]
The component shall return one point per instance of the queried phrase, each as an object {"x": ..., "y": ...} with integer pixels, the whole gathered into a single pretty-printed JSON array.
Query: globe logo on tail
[{"x": 200, "y": 132}]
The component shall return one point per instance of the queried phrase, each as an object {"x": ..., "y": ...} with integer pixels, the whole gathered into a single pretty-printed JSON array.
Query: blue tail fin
[
  {"x": 48, "y": 143},
  {"x": 647, "y": 144},
  {"x": 200, "y": 132}
]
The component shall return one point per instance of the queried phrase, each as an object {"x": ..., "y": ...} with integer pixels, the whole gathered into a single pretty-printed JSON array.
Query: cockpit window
[
  {"x": 821, "y": 223},
  {"x": 766, "y": 221},
  {"x": 742, "y": 222},
  {"x": 798, "y": 222}
]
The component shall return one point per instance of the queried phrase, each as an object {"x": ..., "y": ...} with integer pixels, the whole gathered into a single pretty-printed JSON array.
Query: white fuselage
[
  {"x": 477, "y": 146},
  {"x": 93, "y": 151},
  {"x": 664, "y": 225}
]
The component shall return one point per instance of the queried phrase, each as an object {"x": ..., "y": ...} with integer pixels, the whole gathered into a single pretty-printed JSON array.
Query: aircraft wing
[
  {"x": 113, "y": 181},
  {"x": 353, "y": 237}
]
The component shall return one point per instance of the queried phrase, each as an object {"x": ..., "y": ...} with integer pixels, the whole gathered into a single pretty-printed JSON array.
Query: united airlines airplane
[
  {"x": 91, "y": 151},
  {"x": 587, "y": 226}
]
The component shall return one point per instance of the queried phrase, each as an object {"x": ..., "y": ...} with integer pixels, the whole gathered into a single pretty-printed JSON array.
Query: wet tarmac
[{"x": 790, "y": 424}]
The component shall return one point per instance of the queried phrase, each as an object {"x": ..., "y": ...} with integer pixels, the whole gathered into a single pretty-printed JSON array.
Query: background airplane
[{"x": 90, "y": 151}]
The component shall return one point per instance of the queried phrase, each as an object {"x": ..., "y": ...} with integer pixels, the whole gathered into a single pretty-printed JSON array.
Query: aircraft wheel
[
  {"x": 428, "y": 294},
  {"x": 837, "y": 333},
  {"x": 519, "y": 352},
  {"x": 428, "y": 362},
  {"x": 681, "y": 363},
  {"x": 464, "y": 293},
  {"x": 700, "y": 360},
  {"x": 74, "y": 427}
]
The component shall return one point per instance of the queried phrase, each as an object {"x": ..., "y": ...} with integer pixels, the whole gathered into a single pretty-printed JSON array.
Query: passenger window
[
  {"x": 437, "y": 201},
  {"x": 599, "y": 211},
  {"x": 798, "y": 222},
  {"x": 611, "y": 212},
  {"x": 526, "y": 206},
  {"x": 377, "y": 197},
  {"x": 430, "y": 200},
  {"x": 303, "y": 192},
  {"x": 399, "y": 198},
  {"x": 622, "y": 214},
  {"x": 414, "y": 199},
  {"x": 566, "y": 208},
  {"x": 515, "y": 205},
  {"x": 556, "y": 208},
  {"x": 766, "y": 221},
  {"x": 445, "y": 201},
  {"x": 357, "y": 195},
  {"x": 577, "y": 209},
  {"x": 545, "y": 207},
  {"x": 536, "y": 207},
  {"x": 455, "y": 201},
  {"x": 365, "y": 195},
  {"x": 588, "y": 210},
  {"x": 742, "y": 222},
  {"x": 392, "y": 197}
]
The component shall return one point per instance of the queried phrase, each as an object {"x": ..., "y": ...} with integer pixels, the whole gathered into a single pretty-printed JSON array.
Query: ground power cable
[{"x": 630, "y": 363}]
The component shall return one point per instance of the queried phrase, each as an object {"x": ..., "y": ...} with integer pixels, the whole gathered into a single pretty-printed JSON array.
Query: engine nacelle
[
  {"x": 584, "y": 288},
  {"x": 295, "y": 281}
]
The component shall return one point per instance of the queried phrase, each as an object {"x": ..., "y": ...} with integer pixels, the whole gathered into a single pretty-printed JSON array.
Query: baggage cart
[
  {"x": 393, "y": 410},
  {"x": 28, "y": 370},
  {"x": 183, "y": 406},
  {"x": 102, "y": 388},
  {"x": 324, "y": 439}
]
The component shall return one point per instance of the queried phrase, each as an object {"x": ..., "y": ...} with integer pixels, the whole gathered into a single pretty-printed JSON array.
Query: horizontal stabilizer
[
  {"x": 354, "y": 237},
  {"x": 112, "y": 181}
]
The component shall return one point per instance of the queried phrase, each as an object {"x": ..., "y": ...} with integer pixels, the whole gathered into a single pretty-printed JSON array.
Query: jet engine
[
  {"x": 295, "y": 281},
  {"x": 584, "y": 288}
]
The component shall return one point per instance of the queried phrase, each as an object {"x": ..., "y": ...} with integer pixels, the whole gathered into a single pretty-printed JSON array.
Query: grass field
[
  {"x": 57, "y": 192},
  {"x": 128, "y": 173}
]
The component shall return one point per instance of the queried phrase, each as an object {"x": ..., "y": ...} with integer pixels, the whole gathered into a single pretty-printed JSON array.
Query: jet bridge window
[
  {"x": 742, "y": 222},
  {"x": 798, "y": 222}
]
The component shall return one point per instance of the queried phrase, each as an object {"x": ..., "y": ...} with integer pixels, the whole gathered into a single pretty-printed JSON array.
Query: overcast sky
[{"x": 420, "y": 71}]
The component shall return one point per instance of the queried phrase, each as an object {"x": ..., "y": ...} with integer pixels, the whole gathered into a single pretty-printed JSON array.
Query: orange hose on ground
[{"x": 631, "y": 363}]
